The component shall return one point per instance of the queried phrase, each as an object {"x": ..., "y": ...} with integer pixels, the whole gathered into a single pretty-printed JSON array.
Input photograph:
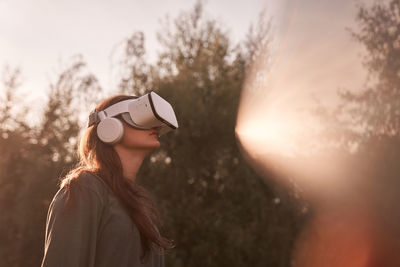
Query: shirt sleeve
[{"x": 72, "y": 227}]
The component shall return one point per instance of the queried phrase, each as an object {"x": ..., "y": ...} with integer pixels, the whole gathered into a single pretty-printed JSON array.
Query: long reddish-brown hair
[{"x": 101, "y": 159}]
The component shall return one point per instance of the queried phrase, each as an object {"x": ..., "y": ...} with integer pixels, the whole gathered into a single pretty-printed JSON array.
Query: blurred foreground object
[{"x": 320, "y": 111}]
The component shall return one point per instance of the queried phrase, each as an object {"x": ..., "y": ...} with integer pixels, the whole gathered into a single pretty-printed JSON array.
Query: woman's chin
[
  {"x": 157, "y": 144},
  {"x": 154, "y": 145}
]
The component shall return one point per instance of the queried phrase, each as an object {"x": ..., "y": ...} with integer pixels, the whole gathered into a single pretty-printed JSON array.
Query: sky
[{"x": 40, "y": 36}]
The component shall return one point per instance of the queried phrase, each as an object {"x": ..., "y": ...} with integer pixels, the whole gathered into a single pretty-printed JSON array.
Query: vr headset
[{"x": 146, "y": 112}]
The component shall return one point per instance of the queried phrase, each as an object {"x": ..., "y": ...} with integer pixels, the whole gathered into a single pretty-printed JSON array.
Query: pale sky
[{"x": 38, "y": 35}]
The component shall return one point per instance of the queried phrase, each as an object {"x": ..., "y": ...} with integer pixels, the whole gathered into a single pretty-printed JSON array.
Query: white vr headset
[{"x": 146, "y": 112}]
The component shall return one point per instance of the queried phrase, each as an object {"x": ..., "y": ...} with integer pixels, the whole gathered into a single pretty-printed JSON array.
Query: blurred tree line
[
  {"x": 215, "y": 208},
  {"x": 367, "y": 121},
  {"x": 366, "y": 124}
]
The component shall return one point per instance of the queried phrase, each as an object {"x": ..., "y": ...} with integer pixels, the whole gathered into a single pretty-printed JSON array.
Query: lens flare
[{"x": 311, "y": 57}]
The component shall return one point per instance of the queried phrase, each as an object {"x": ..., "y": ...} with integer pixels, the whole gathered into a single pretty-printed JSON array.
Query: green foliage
[{"x": 216, "y": 208}]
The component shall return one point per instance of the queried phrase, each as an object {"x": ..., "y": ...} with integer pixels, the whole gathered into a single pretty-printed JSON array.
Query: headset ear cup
[{"x": 110, "y": 130}]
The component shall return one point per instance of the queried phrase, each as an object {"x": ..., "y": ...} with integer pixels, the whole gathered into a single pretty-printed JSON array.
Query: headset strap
[
  {"x": 93, "y": 118},
  {"x": 109, "y": 112}
]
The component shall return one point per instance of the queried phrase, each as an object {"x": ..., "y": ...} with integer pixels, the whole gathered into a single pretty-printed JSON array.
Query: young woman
[{"x": 100, "y": 216}]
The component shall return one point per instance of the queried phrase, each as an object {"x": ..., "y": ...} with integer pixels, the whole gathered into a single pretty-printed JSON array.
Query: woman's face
[{"x": 139, "y": 139}]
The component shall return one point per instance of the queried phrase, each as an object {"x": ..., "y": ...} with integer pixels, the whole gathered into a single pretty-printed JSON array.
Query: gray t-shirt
[{"x": 92, "y": 229}]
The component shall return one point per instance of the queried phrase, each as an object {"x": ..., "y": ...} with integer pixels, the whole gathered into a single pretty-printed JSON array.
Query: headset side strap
[
  {"x": 117, "y": 108},
  {"x": 93, "y": 118}
]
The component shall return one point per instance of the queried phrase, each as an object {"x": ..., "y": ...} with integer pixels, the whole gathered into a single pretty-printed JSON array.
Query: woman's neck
[{"x": 131, "y": 161}]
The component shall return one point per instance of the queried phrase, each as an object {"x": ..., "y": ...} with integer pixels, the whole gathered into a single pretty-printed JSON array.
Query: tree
[
  {"x": 376, "y": 108},
  {"x": 35, "y": 156},
  {"x": 370, "y": 119},
  {"x": 13, "y": 141},
  {"x": 216, "y": 208}
]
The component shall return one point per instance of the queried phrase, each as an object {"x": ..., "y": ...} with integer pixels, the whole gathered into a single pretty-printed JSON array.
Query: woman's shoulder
[
  {"x": 84, "y": 188},
  {"x": 84, "y": 181},
  {"x": 91, "y": 181}
]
